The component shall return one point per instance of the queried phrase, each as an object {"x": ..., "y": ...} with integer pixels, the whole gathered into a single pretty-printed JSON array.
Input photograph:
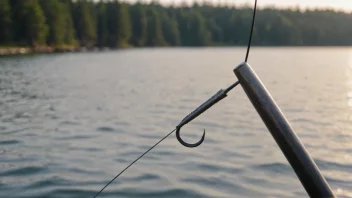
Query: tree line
[{"x": 111, "y": 23}]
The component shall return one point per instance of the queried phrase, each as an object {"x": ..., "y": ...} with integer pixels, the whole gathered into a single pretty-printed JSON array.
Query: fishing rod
[{"x": 272, "y": 116}]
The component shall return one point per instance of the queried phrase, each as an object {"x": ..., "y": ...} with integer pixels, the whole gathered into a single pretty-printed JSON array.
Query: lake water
[{"x": 70, "y": 122}]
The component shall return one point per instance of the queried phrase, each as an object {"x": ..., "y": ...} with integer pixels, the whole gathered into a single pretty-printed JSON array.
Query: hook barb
[{"x": 188, "y": 144}]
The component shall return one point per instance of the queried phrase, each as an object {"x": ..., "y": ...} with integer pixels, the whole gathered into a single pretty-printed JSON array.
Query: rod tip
[{"x": 240, "y": 65}]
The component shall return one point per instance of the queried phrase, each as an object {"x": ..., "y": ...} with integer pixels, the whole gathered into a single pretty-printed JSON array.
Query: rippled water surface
[{"x": 70, "y": 122}]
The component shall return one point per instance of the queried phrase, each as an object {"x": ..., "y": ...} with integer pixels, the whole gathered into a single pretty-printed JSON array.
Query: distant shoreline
[
  {"x": 6, "y": 51},
  {"x": 43, "y": 49}
]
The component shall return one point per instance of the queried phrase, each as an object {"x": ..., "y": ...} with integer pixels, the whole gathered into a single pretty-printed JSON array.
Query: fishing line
[
  {"x": 252, "y": 27},
  {"x": 134, "y": 162},
  {"x": 217, "y": 97}
]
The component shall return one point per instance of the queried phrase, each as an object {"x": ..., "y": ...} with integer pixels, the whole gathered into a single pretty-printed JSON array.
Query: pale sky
[{"x": 337, "y": 4}]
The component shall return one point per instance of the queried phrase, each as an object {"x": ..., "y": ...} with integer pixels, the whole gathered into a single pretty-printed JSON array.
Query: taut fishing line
[
  {"x": 134, "y": 162},
  {"x": 210, "y": 102}
]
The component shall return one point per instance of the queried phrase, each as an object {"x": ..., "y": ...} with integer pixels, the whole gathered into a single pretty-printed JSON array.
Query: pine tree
[
  {"x": 119, "y": 26},
  {"x": 155, "y": 33},
  {"x": 183, "y": 18},
  {"x": 170, "y": 30},
  {"x": 123, "y": 25},
  {"x": 199, "y": 33},
  {"x": 139, "y": 25},
  {"x": 69, "y": 36},
  {"x": 56, "y": 21},
  {"x": 116, "y": 24},
  {"x": 32, "y": 20},
  {"x": 5, "y": 22},
  {"x": 84, "y": 23},
  {"x": 102, "y": 31}
]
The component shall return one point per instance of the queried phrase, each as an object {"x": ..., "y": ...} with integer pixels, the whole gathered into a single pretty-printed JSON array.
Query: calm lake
[{"x": 70, "y": 122}]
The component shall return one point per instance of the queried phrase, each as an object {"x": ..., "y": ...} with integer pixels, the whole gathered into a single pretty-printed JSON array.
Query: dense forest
[{"x": 116, "y": 24}]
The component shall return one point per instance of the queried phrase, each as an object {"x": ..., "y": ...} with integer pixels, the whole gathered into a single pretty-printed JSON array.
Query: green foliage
[
  {"x": 118, "y": 24},
  {"x": 111, "y": 23},
  {"x": 55, "y": 20},
  {"x": 154, "y": 31},
  {"x": 34, "y": 24},
  {"x": 84, "y": 21},
  {"x": 5, "y": 22},
  {"x": 123, "y": 25},
  {"x": 170, "y": 29},
  {"x": 139, "y": 24},
  {"x": 59, "y": 21},
  {"x": 198, "y": 32},
  {"x": 70, "y": 32},
  {"x": 102, "y": 29}
]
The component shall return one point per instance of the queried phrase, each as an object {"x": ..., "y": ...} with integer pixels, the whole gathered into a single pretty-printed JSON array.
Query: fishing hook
[
  {"x": 221, "y": 94},
  {"x": 188, "y": 144}
]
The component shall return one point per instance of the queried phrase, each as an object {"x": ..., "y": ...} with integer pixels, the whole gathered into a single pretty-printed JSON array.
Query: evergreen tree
[
  {"x": 139, "y": 25},
  {"x": 115, "y": 24},
  {"x": 154, "y": 32},
  {"x": 200, "y": 36},
  {"x": 102, "y": 31},
  {"x": 33, "y": 29},
  {"x": 56, "y": 21},
  {"x": 183, "y": 19},
  {"x": 119, "y": 26},
  {"x": 111, "y": 10},
  {"x": 84, "y": 23},
  {"x": 170, "y": 30},
  {"x": 123, "y": 25},
  {"x": 69, "y": 35},
  {"x": 18, "y": 21},
  {"x": 5, "y": 22}
]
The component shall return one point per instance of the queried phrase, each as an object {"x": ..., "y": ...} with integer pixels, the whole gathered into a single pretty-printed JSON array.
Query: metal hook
[
  {"x": 188, "y": 144},
  {"x": 203, "y": 107}
]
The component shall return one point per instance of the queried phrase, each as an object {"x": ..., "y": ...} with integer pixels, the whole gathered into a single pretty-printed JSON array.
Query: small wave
[
  {"x": 323, "y": 164},
  {"x": 83, "y": 170},
  {"x": 311, "y": 121},
  {"x": 163, "y": 153},
  {"x": 76, "y": 137},
  {"x": 169, "y": 193},
  {"x": 149, "y": 136},
  {"x": 121, "y": 160},
  {"x": 209, "y": 124},
  {"x": 18, "y": 130},
  {"x": 210, "y": 181},
  {"x": 122, "y": 123},
  {"x": 124, "y": 193},
  {"x": 68, "y": 122},
  {"x": 105, "y": 129},
  {"x": 72, "y": 193},
  {"x": 7, "y": 142},
  {"x": 23, "y": 171},
  {"x": 53, "y": 181},
  {"x": 218, "y": 168},
  {"x": 233, "y": 154},
  {"x": 274, "y": 167},
  {"x": 294, "y": 110},
  {"x": 218, "y": 183},
  {"x": 147, "y": 176},
  {"x": 336, "y": 181}
]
